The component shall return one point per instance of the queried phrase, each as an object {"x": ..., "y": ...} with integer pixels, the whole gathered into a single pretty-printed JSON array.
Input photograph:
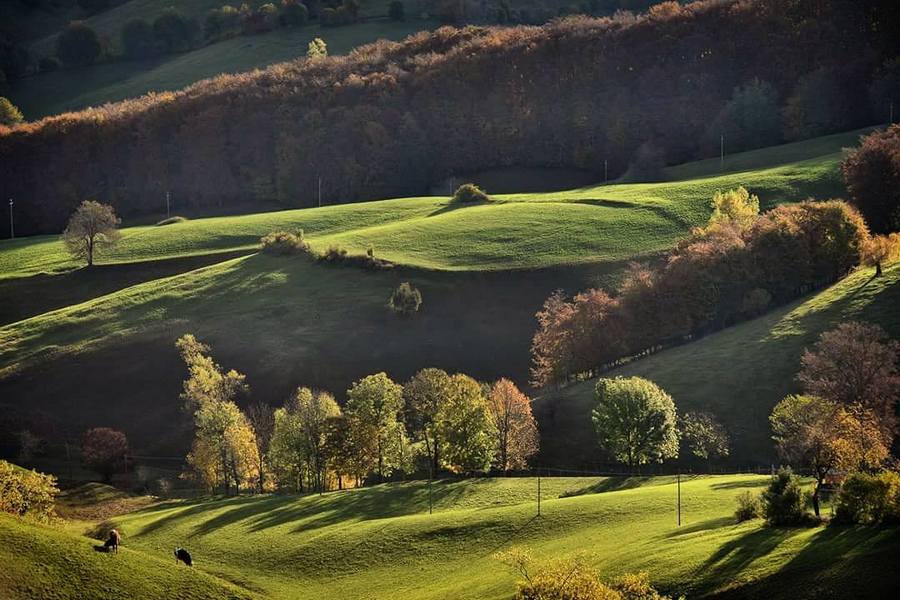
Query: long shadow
[
  {"x": 735, "y": 485},
  {"x": 706, "y": 525},
  {"x": 838, "y": 562},
  {"x": 611, "y": 484},
  {"x": 727, "y": 563}
]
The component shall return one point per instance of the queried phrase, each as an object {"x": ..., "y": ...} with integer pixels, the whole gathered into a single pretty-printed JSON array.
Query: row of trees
[
  {"x": 735, "y": 268},
  {"x": 391, "y": 117},
  {"x": 435, "y": 422}
]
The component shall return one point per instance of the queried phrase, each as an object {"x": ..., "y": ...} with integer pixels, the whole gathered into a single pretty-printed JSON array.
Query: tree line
[
  {"x": 434, "y": 423},
  {"x": 384, "y": 121},
  {"x": 739, "y": 265}
]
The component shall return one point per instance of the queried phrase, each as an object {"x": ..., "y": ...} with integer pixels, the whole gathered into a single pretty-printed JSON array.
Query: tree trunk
[
  {"x": 815, "y": 496},
  {"x": 878, "y": 268}
]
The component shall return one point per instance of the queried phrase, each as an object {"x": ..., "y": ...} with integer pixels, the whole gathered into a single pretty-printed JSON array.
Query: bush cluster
[
  {"x": 27, "y": 493},
  {"x": 172, "y": 220},
  {"x": 749, "y": 506},
  {"x": 869, "y": 498},
  {"x": 469, "y": 193},
  {"x": 784, "y": 501},
  {"x": 284, "y": 242},
  {"x": 405, "y": 300}
]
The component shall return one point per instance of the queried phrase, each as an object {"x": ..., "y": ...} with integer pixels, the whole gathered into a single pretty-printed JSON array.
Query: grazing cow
[
  {"x": 113, "y": 541},
  {"x": 184, "y": 556}
]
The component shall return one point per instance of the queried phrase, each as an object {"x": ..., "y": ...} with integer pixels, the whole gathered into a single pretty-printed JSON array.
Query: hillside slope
[
  {"x": 739, "y": 373},
  {"x": 43, "y": 562},
  {"x": 381, "y": 542}
]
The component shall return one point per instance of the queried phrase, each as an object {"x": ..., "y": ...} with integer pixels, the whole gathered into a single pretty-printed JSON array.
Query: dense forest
[{"x": 635, "y": 91}]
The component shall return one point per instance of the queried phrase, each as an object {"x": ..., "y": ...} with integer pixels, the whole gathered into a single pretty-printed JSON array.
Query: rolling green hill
[
  {"x": 739, "y": 373},
  {"x": 324, "y": 325},
  {"x": 591, "y": 224},
  {"x": 381, "y": 542},
  {"x": 44, "y": 562}
]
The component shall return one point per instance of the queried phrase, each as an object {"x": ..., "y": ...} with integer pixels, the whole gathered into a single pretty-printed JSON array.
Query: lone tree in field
[
  {"x": 705, "y": 435},
  {"x": 856, "y": 365},
  {"x": 405, "y": 300},
  {"x": 635, "y": 420},
  {"x": 316, "y": 49},
  {"x": 91, "y": 229},
  {"x": 872, "y": 175},
  {"x": 517, "y": 433},
  {"x": 825, "y": 436},
  {"x": 104, "y": 450}
]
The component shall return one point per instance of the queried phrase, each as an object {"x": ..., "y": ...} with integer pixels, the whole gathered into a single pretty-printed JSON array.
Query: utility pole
[
  {"x": 12, "y": 229},
  {"x": 722, "y": 152},
  {"x": 605, "y": 170},
  {"x": 891, "y": 118},
  {"x": 320, "y": 191},
  {"x": 539, "y": 491},
  {"x": 679, "y": 498},
  {"x": 168, "y": 195},
  {"x": 430, "y": 475}
]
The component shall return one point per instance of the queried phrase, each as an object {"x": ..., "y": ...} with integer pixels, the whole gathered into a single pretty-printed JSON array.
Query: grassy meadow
[{"x": 380, "y": 542}]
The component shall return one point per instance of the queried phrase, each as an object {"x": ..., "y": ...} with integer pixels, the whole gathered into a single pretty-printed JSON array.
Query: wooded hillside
[{"x": 390, "y": 117}]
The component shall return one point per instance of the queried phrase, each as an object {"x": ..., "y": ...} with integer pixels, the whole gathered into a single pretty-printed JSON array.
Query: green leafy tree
[
  {"x": 262, "y": 419},
  {"x": 737, "y": 208},
  {"x": 91, "y": 228},
  {"x": 293, "y": 13},
  {"x": 9, "y": 113},
  {"x": 635, "y": 420},
  {"x": 705, "y": 435},
  {"x": 175, "y": 32},
  {"x": 78, "y": 45},
  {"x": 25, "y": 493},
  {"x": 750, "y": 119},
  {"x": 316, "y": 410},
  {"x": 374, "y": 404},
  {"x": 467, "y": 428},
  {"x": 426, "y": 396},
  {"x": 405, "y": 300}
]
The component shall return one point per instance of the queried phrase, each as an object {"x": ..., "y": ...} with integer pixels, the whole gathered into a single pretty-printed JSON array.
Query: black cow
[{"x": 184, "y": 556}]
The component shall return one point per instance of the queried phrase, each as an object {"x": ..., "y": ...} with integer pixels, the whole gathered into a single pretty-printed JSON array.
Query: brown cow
[{"x": 112, "y": 543}]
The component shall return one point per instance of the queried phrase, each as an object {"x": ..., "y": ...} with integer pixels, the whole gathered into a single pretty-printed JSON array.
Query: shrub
[
  {"x": 748, "y": 507},
  {"x": 396, "y": 11},
  {"x": 78, "y": 45},
  {"x": 105, "y": 450},
  {"x": 172, "y": 221},
  {"x": 334, "y": 254},
  {"x": 26, "y": 493},
  {"x": 138, "y": 39},
  {"x": 405, "y": 300},
  {"x": 293, "y": 14},
  {"x": 48, "y": 64},
  {"x": 468, "y": 193},
  {"x": 221, "y": 21},
  {"x": 866, "y": 498},
  {"x": 784, "y": 501},
  {"x": 9, "y": 112},
  {"x": 284, "y": 242}
]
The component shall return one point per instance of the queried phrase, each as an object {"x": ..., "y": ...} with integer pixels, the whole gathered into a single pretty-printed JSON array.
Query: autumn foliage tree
[
  {"x": 872, "y": 175},
  {"x": 825, "y": 436},
  {"x": 855, "y": 365},
  {"x": 91, "y": 229},
  {"x": 882, "y": 250},
  {"x": 104, "y": 450},
  {"x": 517, "y": 433}
]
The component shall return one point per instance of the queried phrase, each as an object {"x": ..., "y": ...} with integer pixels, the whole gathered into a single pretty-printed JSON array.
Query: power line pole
[
  {"x": 430, "y": 475},
  {"x": 679, "y": 499},
  {"x": 168, "y": 195},
  {"x": 722, "y": 152},
  {"x": 12, "y": 229},
  {"x": 891, "y": 119},
  {"x": 320, "y": 191},
  {"x": 605, "y": 170},
  {"x": 539, "y": 492}
]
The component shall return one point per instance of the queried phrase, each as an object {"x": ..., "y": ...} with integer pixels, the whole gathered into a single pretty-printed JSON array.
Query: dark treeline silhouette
[{"x": 390, "y": 117}]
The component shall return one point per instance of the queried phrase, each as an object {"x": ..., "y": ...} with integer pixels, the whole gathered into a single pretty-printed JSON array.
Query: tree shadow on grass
[
  {"x": 737, "y": 485},
  {"x": 610, "y": 484},
  {"x": 838, "y": 562},
  {"x": 706, "y": 525},
  {"x": 734, "y": 556}
]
